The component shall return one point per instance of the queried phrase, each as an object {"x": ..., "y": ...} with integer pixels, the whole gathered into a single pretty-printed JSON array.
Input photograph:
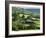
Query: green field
[{"x": 24, "y": 20}]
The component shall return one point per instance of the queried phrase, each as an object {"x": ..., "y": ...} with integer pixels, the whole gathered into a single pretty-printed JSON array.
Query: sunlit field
[{"x": 25, "y": 19}]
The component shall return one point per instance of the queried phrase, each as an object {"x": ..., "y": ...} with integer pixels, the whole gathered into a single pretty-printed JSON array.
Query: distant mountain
[
  {"x": 34, "y": 10},
  {"x": 27, "y": 11}
]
